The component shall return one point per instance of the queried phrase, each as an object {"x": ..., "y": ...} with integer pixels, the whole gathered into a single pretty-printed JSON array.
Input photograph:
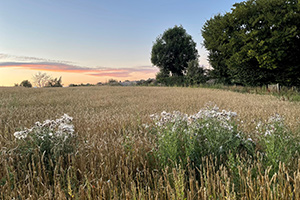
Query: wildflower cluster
[
  {"x": 278, "y": 143},
  {"x": 49, "y": 140},
  {"x": 208, "y": 113},
  {"x": 211, "y": 131},
  {"x": 61, "y": 127},
  {"x": 270, "y": 126}
]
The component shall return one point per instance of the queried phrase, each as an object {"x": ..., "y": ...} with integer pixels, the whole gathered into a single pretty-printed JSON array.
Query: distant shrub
[
  {"x": 113, "y": 82},
  {"x": 172, "y": 80},
  {"x": 81, "y": 84},
  {"x": 26, "y": 83}
]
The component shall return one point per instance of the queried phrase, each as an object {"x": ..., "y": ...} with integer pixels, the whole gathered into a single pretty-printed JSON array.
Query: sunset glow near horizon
[{"x": 93, "y": 41}]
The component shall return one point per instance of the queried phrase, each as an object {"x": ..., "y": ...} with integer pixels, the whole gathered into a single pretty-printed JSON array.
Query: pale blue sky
[{"x": 97, "y": 33}]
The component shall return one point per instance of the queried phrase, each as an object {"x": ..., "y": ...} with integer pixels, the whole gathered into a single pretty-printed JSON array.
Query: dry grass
[
  {"x": 105, "y": 106},
  {"x": 105, "y": 168}
]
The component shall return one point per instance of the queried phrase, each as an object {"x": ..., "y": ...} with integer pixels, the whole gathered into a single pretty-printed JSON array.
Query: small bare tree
[{"x": 41, "y": 79}]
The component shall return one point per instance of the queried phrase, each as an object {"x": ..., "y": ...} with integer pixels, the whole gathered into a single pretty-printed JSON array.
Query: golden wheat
[{"x": 111, "y": 162}]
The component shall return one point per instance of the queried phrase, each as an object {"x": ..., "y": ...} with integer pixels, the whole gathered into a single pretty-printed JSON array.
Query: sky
[{"x": 90, "y": 41}]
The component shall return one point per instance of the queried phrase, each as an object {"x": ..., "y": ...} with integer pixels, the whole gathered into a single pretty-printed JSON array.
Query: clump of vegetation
[
  {"x": 26, "y": 83},
  {"x": 41, "y": 150},
  {"x": 81, "y": 84},
  {"x": 113, "y": 82},
  {"x": 210, "y": 132},
  {"x": 278, "y": 143},
  {"x": 212, "y": 138},
  {"x": 46, "y": 142}
]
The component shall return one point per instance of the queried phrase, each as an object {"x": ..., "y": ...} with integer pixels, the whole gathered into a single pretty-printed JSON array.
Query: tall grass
[
  {"x": 285, "y": 93},
  {"x": 115, "y": 153}
]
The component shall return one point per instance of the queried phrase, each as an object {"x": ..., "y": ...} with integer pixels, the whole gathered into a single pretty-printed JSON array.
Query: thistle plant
[
  {"x": 47, "y": 141},
  {"x": 183, "y": 137},
  {"x": 278, "y": 143}
]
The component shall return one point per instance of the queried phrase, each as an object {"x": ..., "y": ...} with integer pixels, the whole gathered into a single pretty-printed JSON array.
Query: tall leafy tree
[
  {"x": 215, "y": 33},
  {"x": 257, "y": 43},
  {"x": 195, "y": 74},
  {"x": 172, "y": 51}
]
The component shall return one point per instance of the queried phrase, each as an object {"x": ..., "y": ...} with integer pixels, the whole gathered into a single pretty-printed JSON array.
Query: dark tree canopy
[
  {"x": 26, "y": 83},
  {"x": 257, "y": 43},
  {"x": 195, "y": 74},
  {"x": 172, "y": 51}
]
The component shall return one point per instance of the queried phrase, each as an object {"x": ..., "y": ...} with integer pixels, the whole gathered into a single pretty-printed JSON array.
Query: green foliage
[
  {"x": 182, "y": 138},
  {"x": 183, "y": 143},
  {"x": 172, "y": 51},
  {"x": 113, "y": 82},
  {"x": 148, "y": 82},
  {"x": 171, "y": 81},
  {"x": 215, "y": 139},
  {"x": 285, "y": 93},
  {"x": 195, "y": 74},
  {"x": 278, "y": 143},
  {"x": 257, "y": 43},
  {"x": 173, "y": 144},
  {"x": 26, "y": 83}
]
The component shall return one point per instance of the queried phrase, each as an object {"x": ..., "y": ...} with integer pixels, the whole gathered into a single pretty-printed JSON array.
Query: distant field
[
  {"x": 96, "y": 107},
  {"x": 114, "y": 154}
]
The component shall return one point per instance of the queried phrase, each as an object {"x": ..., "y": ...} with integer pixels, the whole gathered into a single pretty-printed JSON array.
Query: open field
[
  {"x": 109, "y": 107},
  {"x": 112, "y": 159}
]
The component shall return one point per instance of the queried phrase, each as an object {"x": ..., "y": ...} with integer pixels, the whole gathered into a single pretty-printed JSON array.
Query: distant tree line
[
  {"x": 257, "y": 43},
  {"x": 42, "y": 80},
  {"x": 114, "y": 82},
  {"x": 80, "y": 85}
]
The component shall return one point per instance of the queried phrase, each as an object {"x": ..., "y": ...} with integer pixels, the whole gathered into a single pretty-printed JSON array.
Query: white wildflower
[
  {"x": 20, "y": 134},
  {"x": 268, "y": 132},
  {"x": 58, "y": 127}
]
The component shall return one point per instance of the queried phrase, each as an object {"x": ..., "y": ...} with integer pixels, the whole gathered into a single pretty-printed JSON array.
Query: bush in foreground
[{"x": 210, "y": 132}]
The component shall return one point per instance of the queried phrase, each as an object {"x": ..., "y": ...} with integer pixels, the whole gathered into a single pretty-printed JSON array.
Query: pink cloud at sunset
[
  {"x": 17, "y": 65},
  {"x": 60, "y": 67}
]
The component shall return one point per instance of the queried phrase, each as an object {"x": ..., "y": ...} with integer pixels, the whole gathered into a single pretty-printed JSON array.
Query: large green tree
[
  {"x": 257, "y": 43},
  {"x": 195, "y": 74},
  {"x": 172, "y": 51}
]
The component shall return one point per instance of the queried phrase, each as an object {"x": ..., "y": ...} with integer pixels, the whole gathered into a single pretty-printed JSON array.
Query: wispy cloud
[
  {"x": 28, "y": 58},
  {"x": 33, "y": 63}
]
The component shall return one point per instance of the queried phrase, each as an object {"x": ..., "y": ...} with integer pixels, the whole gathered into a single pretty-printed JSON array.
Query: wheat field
[
  {"x": 97, "y": 107},
  {"x": 104, "y": 118}
]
